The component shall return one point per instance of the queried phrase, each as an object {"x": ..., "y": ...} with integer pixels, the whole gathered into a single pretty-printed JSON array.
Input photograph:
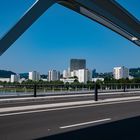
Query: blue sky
[{"x": 61, "y": 34}]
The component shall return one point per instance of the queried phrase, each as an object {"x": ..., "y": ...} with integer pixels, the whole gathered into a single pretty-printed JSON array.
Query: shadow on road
[{"x": 128, "y": 129}]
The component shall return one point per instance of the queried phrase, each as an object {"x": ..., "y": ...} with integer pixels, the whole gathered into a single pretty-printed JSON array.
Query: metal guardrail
[{"x": 47, "y": 89}]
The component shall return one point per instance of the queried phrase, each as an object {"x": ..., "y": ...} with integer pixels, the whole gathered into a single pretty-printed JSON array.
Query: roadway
[{"x": 40, "y": 122}]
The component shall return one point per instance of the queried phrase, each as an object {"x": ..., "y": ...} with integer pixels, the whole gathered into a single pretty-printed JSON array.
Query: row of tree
[{"x": 106, "y": 81}]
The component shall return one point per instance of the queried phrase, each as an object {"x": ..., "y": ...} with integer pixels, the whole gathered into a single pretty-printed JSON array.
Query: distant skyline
[{"x": 61, "y": 34}]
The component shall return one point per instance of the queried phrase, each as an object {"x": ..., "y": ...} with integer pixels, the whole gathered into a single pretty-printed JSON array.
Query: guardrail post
[
  {"x": 124, "y": 88},
  {"x": 35, "y": 90},
  {"x": 96, "y": 92}
]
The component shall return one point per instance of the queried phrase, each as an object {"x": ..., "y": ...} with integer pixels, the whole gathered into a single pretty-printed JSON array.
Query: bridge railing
[
  {"x": 119, "y": 87},
  {"x": 49, "y": 89}
]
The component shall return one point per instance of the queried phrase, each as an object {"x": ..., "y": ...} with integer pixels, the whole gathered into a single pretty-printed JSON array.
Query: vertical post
[
  {"x": 124, "y": 88},
  {"x": 96, "y": 92},
  {"x": 35, "y": 89}
]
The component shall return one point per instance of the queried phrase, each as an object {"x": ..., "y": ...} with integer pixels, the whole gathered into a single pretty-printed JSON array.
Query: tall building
[
  {"x": 15, "y": 78},
  {"x": 76, "y": 64},
  {"x": 94, "y": 73},
  {"x": 34, "y": 76},
  {"x": 120, "y": 72},
  {"x": 84, "y": 75},
  {"x": 53, "y": 75},
  {"x": 66, "y": 73}
]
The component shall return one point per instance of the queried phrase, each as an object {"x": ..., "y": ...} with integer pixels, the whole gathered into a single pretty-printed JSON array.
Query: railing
[{"x": 7, "y": 90}]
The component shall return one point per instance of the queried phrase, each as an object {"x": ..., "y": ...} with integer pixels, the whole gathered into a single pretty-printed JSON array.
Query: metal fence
[{"x": 47, "y": 89}]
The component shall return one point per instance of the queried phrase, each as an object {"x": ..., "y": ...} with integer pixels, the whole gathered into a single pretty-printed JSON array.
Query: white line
[
  {"x": 85, "y": 123},
  {"x": 64, "y": 108}
]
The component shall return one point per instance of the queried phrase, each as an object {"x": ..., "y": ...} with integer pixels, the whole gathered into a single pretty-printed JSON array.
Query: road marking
[
  {"x": 85, "y": 123},
  {"x": 64, "y": 108}
]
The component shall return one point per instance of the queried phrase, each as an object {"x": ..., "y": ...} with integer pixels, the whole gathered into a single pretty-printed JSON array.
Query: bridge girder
[{"x": 108, "y": 13}]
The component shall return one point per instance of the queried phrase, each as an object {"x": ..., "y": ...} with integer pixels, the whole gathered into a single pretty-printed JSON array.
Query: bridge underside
[{"x": 106, "y": 12}]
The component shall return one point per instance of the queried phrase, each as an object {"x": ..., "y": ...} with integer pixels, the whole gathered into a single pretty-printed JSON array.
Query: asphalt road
[{"x": 59, "y": 120}]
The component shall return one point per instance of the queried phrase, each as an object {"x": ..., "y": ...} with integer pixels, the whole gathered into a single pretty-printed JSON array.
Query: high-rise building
[
  {"x": 84, "y": 75},
  {"x": 120, "y": 72},
  {"x": 15, "y": 78},
  {"x": 53, "y": 75},
  {"x": 66, "y": 73},
  {"x": 34, "y": 76},
  {"x": 69, "y": 73},
  {"x": 76, "y": 64},
  {"x": 94, "y": 73}
]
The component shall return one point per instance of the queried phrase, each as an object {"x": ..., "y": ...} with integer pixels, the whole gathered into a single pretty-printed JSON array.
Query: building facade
[
  {"x": 97, "y": 79},
  {"x": 120, "y": 72},
  {"x": 74, "y": 73},
  {"x": 34, "y": 76},
  {"x": 15, "y": 78},
  {"x": 67, "y": 80},
  {"x": 66, "y": 73},
  {"x": 5, "y": 80},
  {"x": 53, "y": 75},
  {"x": 84, "y": 75},
  {"x": 76, "y": 64}
]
